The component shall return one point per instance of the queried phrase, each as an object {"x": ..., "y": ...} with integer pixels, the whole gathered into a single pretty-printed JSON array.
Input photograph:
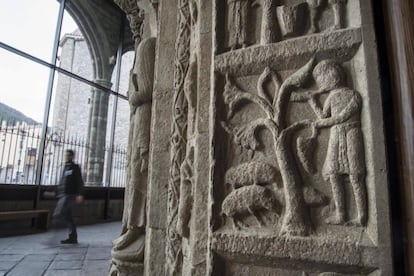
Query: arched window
[{"x": 60, "y": 68}]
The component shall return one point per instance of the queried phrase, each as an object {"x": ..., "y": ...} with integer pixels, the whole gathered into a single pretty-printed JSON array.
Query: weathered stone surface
[
  {"x": 319, "y": 250},
  {"x": 297, "y": 119},
  {"x": 340, "y": 45},
  {"x": 157, "y": 240},
  {"x": 264, "y": 158}
]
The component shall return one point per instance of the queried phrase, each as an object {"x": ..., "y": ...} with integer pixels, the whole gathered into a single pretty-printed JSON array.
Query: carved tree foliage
[{"x": 295, "y": 220}]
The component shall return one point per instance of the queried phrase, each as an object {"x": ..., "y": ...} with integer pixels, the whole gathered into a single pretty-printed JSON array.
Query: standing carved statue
[
  {"x": 130, "y": 245},
  {"x": 238, "y": 22},
  {"x": 345, "y": 154}
]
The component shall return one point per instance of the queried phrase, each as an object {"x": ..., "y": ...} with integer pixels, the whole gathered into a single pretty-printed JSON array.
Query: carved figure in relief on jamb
[
  {"x": 130, "y": 245},
  {"x": 345, "y": 152},
  {"x": 345, "y": 157}
]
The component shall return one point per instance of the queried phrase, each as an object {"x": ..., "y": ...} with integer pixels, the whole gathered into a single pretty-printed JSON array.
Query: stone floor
[{"x": 42, "y": 254}]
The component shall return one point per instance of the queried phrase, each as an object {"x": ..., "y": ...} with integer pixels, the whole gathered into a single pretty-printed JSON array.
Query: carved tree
[{"x": 295, "y": 221}]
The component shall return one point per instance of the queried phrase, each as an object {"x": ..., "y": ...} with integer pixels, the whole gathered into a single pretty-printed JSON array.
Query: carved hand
[
  {"x": 305, "y": 96},
  {"x": 301, "y": 96}
]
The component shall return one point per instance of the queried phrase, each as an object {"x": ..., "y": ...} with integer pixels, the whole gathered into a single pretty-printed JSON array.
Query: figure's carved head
[{"x": 328, "y": 75}]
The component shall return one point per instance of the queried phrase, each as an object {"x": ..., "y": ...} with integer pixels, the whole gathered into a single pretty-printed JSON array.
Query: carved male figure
[
  {"x": 140, "y": 98},
  {"x": 345, "y": 154},
  {"x": 238, "y": 22}
]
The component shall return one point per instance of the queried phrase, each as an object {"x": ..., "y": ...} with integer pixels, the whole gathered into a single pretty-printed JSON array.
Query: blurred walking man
[{"x": 69, "y": 193}]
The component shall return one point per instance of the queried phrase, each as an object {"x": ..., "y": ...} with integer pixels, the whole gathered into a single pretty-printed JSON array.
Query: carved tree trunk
[{"x": 295, "y": 221}]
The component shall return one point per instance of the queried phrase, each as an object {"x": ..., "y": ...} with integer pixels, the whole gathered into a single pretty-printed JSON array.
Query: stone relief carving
[
  {"x": 129, "y": 247},
  {"x": 345, "y": 157},
  {"x": 186, "y": 169},
  {"x": 238, "y": 18},
  {"x": 251, "y": 173},
  {"x": 314, "y": 12},
  {"x": 135, "y": 17},
  {"x": 305, "y": 149},
  {"x": 338, "y": 8},
  {"x": 282, "y": 20},
  {"x": 183, "y": 129},
  {"x": 117, "y": 268},
  {"x": 251, "y": 200},
  {"x": 268, "y": 27},
  {"x": 291, "y": 19}
]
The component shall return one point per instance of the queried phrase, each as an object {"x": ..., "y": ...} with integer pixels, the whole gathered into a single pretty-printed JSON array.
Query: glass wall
[{"x": 63, "y": 87}]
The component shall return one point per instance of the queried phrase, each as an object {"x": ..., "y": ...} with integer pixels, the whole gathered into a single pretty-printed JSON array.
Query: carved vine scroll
[
  {"x": 178, "y": 136},
  {"x": 135, "y": 17}
]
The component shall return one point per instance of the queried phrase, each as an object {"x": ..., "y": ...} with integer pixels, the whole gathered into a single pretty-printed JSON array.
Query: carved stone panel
[
  {"x": 245, "y": 23},
  {"x": 296, "y": 180}
]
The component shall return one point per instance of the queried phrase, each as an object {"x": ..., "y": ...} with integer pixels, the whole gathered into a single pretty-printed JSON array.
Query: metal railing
[{"x": 19, "y": 152}]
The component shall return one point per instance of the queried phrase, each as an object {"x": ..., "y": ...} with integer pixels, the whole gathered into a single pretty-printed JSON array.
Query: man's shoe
[{"x": 69, "y": 241}]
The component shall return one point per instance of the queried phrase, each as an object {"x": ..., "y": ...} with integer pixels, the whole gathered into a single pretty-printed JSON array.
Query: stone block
[
  {"x": 66, "y": 265},
  {"x": 29, "y": 268}
]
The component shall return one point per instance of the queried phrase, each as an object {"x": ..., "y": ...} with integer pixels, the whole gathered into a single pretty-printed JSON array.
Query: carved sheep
[
  {"x": 251, "y": 173},
  {"x": 249, "y": 200}
]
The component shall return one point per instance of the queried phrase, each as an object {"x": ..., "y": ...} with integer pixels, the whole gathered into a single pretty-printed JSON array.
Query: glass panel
[
  {"x": 118, "y": 173},
  {"x": 78, "y": 121},
  {"x": 22, "y": 99},
  {"x": 89, "y": 52},
  {"x": 29, "y": 26}
]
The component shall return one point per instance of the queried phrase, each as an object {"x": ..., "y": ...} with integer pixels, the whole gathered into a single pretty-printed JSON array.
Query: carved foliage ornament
[
  {"x": 135, "y": 17},
  {"x": 178, "y": 139},
  {"x": 340, "y": 114}
]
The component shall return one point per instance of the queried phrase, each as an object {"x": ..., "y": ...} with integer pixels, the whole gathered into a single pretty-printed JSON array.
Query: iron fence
[{"x": 19, "y": 144}]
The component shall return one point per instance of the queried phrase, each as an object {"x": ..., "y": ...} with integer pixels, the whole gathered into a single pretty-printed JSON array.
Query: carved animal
[
  {"x": 312, "y": 197},
  {"x": 251, "y": 173},
  {"x": 249, "y": 200}
]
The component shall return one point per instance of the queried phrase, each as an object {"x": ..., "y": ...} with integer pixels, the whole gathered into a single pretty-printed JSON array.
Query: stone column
[{"x": 97, "y": 134}]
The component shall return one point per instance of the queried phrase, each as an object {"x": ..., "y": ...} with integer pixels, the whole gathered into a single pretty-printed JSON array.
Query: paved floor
[{"x": 42, "y": 254}]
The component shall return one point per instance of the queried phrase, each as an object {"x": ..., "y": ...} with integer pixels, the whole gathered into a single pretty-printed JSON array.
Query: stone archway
[{"x": 100, "y": 22}]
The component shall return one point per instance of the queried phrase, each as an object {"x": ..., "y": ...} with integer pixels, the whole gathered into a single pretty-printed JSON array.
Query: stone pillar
[{"x": 97, "y": 134}]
